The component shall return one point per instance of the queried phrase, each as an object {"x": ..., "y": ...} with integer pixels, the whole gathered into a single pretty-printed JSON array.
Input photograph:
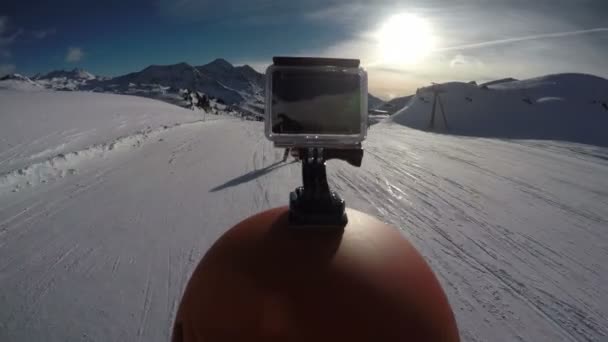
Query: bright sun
[{"x": 405, "y": 39}]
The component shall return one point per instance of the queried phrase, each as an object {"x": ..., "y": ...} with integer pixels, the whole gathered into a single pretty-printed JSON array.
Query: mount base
[
  {"x": 313, "y": 204},
  {"x": 327, "y": 211}
]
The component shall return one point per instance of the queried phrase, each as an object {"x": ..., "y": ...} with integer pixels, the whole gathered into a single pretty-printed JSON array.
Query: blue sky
[{"x": 403, "y": 44}]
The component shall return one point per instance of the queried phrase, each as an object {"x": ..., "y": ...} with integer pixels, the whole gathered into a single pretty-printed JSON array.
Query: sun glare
[{"x": 404, "y": 39}]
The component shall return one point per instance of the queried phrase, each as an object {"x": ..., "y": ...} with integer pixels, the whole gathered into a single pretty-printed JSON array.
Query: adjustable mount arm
[{"x": 314, "y": 203}]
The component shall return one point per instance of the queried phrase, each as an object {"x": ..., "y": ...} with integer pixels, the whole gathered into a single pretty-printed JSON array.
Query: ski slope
[{"x": 515, "y": 230}]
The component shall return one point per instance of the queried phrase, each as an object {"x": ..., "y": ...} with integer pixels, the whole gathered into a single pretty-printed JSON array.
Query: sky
[{"x": 402, "y": 44}]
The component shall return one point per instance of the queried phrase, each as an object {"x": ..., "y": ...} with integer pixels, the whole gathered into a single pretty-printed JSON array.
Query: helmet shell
[{"x": 265, "y": 280}]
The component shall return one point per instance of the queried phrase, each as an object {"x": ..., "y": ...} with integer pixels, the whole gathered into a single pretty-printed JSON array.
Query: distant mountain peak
[
  {"x": 219, "y": 63},
  {"x": 181, "y": 65}
]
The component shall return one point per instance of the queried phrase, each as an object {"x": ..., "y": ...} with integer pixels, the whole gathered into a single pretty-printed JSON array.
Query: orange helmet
[{"x": 265, "y": 280}]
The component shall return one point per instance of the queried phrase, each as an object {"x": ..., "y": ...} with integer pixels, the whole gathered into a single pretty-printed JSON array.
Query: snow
[
  {"x": 550, "y": 99},
  {"x": 514, "y": 229}
]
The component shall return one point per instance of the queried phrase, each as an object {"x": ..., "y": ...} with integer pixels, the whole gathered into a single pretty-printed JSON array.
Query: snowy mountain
[
  {"x": 251, "y": 75},
  {"x": 567, "y": 107},
  {"x": 75, "y": 74},
  {"x": 219, "y": 79},
  {"x": 174, "y": 77},
  {"x": 241, "y": 79},
  {"x": 108, "y": 202}
]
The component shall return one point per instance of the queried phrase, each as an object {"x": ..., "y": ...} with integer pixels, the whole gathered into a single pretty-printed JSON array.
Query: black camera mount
[{"x": 314, "y": 203}]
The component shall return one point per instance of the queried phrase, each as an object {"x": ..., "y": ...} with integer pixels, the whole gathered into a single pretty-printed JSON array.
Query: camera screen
[{"x": 316, "y": 102}]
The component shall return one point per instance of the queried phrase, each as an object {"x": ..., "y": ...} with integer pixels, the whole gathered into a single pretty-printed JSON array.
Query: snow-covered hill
[
  {"x": 567, "y": 107},
  {"x": 19, "y": 82},
  {"x": 116, "y": 199}
]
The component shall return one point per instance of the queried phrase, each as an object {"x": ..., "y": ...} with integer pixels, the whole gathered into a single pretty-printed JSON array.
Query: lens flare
[{"x": 405, "y": 39}]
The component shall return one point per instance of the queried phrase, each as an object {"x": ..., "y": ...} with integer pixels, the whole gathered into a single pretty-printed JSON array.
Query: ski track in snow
[
  {"x": 67, "y": 163},
  {"x": 515, "y": 230}
]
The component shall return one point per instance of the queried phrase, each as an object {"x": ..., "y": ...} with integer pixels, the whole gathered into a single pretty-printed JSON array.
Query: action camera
[{"x": 316, "y": 102}]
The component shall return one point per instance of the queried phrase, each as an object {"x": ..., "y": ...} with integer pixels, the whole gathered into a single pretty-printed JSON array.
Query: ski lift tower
[{"x": 437, "y": 90}]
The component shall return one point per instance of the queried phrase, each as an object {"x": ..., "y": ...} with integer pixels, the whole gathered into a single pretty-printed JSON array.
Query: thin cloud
[
  {"x": 3, "y": 23},
  {"x": 7, "y": 69},
  {"x": 41, "y": 34},
  {"x": 7, "y": 38},
  {"x": 465, "y": 61},
  {"x": 75, "y": 54},
  {"x": 522, "y": 39},
  {"x": 203, "y": 10},
  {"x": 339, "y": 12}
]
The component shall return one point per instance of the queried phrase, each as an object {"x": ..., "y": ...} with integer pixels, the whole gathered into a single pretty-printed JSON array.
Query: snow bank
[
  {"x": 567, "y": 107},
  {"x": 63, "y": 164}
]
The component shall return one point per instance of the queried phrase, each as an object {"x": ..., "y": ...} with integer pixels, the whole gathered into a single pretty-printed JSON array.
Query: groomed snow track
[{"x": 515, "y": 230}]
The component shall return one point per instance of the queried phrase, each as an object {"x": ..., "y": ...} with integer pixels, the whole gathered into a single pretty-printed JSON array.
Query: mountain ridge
[{"x": 238, "y": 85}]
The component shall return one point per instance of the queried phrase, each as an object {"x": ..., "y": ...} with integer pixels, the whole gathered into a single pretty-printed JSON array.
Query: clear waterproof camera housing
[{"x": 316, "y": 102}]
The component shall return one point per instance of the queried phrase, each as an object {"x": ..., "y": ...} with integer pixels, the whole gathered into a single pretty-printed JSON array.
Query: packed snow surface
[{"x": 514, "y": 229}]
